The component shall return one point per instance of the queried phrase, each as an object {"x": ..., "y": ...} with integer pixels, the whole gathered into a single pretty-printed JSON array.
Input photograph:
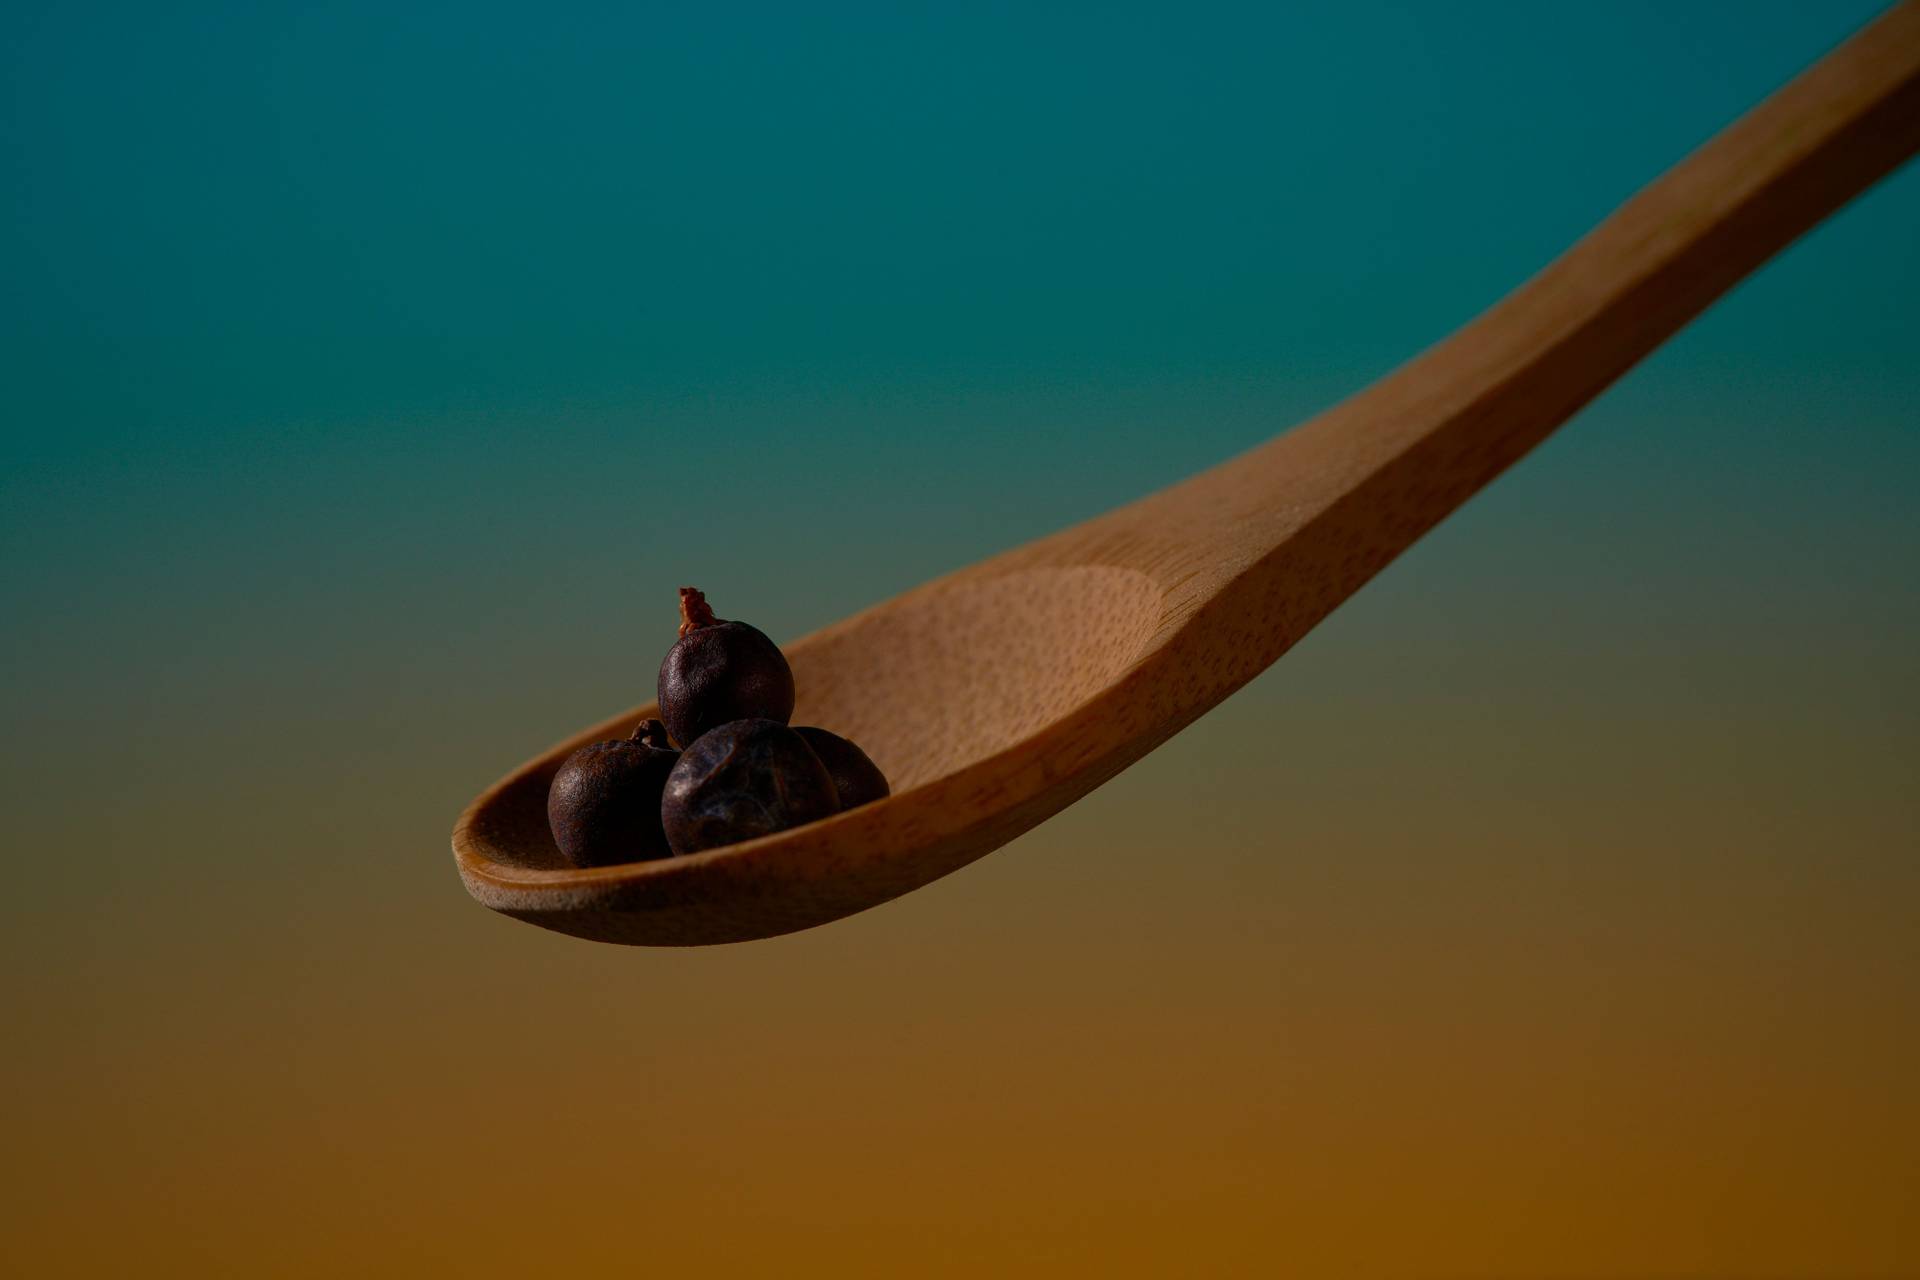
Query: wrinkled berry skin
[
  {"x": 745, "y": 779},
  {"x": 721, "y": 673},
  {"x": 856, "y": 778},
  {"x": 604, "y": 804}
]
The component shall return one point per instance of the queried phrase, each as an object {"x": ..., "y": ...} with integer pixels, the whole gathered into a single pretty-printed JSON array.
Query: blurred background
[{"x": 375, "y": 373}]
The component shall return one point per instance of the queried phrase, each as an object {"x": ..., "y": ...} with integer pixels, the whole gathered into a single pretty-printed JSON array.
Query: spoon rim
[{"x": 1030, "y": 777}]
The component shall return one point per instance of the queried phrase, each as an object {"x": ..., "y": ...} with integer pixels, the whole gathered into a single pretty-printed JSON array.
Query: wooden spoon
[{"x": 996, "y": 696}]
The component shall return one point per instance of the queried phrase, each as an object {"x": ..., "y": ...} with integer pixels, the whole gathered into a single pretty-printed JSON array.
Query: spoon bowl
[
  {"x": 998, "y": 695},
  {"x": 1028, "y": 652}
]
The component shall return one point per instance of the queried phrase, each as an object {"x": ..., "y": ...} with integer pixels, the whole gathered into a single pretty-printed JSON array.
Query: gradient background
[{"x": 375, "y": 372}]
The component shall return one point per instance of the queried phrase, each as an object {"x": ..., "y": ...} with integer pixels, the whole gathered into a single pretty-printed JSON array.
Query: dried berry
[
  {"x": 604, "y": 803},
  {"x": 719, "y": 672},
  {"x": 856, "y": 778},
  {"x": 745, "y": 779}
]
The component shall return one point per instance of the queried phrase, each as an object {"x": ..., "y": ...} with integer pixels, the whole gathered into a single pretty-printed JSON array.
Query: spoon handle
[
  {"x": 1499, "y": 386},
  {"x": 1270, "y": 542}
]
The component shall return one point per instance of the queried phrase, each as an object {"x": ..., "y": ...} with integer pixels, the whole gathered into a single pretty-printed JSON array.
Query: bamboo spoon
[{"x": 996, "y": 696}]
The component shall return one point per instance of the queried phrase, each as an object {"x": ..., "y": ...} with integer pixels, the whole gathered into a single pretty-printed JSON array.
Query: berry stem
[
  {"x": 694, "y": 610},
  {"x": 654, "y": 734}
]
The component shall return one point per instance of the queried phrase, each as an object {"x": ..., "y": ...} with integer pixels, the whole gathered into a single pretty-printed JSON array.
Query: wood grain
[{"x": 999, "y": 695}]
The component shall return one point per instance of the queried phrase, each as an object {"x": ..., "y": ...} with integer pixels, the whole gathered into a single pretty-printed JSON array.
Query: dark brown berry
[
  {"x": 604, "y": 803},
  {"x": 856, "y": 778},
  {"x": 719, "y": 672},
  {"x": 745, "y": 779}
]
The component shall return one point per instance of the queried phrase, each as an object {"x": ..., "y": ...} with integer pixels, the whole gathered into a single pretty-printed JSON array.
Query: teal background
[
  {"x": 373, "y": 374},
  {"x": 397, "y": 286}
]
